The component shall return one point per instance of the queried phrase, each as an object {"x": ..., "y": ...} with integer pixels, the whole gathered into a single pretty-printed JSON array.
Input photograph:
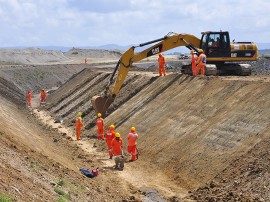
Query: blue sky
[{"x": 76, "y": 23}]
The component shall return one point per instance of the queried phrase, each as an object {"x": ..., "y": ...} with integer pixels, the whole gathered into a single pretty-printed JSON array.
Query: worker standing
[
  {"x": 79, "y": 126},
  {"x": 161, "y": 65},
  {"x": 201, "y": 62},
  {"x": 43, "y": 96},
  {"x": 132, "y": 143},
  {"x": 100, "y": 126},
  {"x": 117, "y": 151},
  {"x": 194, "y": 57},
  {"x": 109, "y": 136},
  {"x": 29, "y": 98},
  {"x": 85, "y": 60}
]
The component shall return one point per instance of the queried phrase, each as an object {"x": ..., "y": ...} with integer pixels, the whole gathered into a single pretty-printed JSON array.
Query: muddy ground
[{"x": 200, "y": 139}]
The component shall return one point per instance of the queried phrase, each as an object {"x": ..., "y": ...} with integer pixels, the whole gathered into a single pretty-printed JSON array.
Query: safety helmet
[
  {"x": 132, "y": 129},
  {"x": 160, "y": 54},
  {"x": 79, "y": 114},
  {"x": 200, "y": 50},
  {"x": 112, "y": 126},
  {"x": 43, "y": 89},
  {"x": 117, "y": 135},
  {"x": 99, "y": 115}
]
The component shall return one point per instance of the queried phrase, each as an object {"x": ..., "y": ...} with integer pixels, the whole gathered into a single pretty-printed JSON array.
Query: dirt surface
[{"x": 200, "y": 139}]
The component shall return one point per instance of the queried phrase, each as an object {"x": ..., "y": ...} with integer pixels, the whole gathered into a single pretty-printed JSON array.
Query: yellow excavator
[{"x": 222, "y": 56}]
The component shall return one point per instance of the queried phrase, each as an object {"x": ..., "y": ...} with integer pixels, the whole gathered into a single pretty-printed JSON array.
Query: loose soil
[{"x": 200, "y": 139}]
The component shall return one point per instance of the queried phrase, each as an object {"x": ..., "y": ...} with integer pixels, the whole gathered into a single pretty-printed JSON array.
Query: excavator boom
[
  {"x": 220, "y": 54},
  {"x": 170, "y": 41}
]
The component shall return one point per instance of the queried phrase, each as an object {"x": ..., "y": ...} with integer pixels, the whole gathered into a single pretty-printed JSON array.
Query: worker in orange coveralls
[
  {"x": 194, "y": 57},
  {"x": 201, "y": 62},
  {"x": 161, "y": 65},
  {"x": 43, "y": 96},
  {"x": 109, "y": 136},
  {"x": 29, "y": 98},
  {"x": 132, "y": 143},
  {"x": 117, "y": 151},
  {"x": 100, "y": 126},
  {"x": 79, "y": 126}
]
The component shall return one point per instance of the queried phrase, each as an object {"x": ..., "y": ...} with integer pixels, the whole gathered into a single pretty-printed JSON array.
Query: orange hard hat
[
  {"x": 112, "y": 126},
  {"x": 117, "y": 135}
]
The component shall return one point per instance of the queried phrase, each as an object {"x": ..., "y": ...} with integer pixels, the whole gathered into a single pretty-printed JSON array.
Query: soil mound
[{"x": 40, "y": 56}]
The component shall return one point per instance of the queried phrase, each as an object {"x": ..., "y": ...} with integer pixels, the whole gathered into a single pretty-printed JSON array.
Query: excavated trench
[{"x": 190, "y": 128}]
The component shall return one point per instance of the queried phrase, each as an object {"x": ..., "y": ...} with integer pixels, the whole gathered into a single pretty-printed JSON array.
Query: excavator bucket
[{"x": 101, "y": 104}]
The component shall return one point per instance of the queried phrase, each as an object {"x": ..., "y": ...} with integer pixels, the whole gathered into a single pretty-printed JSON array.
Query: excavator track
[{"x": 222, "y": 69}]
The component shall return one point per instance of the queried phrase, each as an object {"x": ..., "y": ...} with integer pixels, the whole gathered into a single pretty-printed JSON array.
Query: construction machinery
[{"x": 222, "y": 57}]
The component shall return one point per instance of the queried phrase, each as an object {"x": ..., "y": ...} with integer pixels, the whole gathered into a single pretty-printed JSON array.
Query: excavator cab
[{"x": 216, "y": 44}]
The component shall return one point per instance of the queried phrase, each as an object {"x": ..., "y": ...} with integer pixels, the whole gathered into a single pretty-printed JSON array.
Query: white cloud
[{"x": 123, "y": 22}]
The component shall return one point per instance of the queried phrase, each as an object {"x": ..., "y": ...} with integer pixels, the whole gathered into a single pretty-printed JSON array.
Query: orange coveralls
[
  {"x": 110, "y": 135},
  {"x": 29, "y": 98},
  {"x": 79, "y": 126},
  {"x": 194, "y": 57},
  {"x": 117, "y": 146},
  {"x": 43, "y": 96},
  {"x": 100, "y": 130},
  {"x": 132, "y": 145},
  {"x": 201, "y": 62},
  {"x": 161, "y": 65}
]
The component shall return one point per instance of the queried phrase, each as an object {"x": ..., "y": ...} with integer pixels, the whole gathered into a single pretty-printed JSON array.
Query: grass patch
[
  {"x": 61, "y": 182},
  {"x": 62, "y": 193},
  {"x": 61, "y": 199},
  {"x": 5, "y": 198}
]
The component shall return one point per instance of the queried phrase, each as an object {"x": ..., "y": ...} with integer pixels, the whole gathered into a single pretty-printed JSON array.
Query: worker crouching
[{"x": 117, "y": 151}]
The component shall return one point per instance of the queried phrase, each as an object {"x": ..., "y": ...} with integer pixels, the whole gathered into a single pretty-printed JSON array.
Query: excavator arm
[{"x": 170, "y": 41}]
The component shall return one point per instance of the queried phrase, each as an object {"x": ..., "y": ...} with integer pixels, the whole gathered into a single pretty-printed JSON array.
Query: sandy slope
[{"x": 206, "y": 136}]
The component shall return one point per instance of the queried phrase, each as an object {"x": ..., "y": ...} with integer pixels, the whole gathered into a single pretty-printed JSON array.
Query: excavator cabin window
[{"x": 216, "y": 44}]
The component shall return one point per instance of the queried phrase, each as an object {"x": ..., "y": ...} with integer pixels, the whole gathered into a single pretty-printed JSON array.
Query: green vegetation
[
  {"x": 62, "y": 193},
  {"x": 61, "y": 182},
  {"x": 61, "y": 199},
  {"x": 5, "y": 198}
]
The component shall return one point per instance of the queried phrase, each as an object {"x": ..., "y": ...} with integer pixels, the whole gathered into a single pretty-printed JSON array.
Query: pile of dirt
[
  {"x": 41, "y": 56},
  {"x": 92, "y": 53},
  {"x": 31, "y": 56},
  {"x": 36, "y": 77},
  {"x": 246, "y": 179}
]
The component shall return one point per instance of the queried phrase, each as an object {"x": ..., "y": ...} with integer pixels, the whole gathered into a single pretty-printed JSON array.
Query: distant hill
[{"x": 261, "y": 46}]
